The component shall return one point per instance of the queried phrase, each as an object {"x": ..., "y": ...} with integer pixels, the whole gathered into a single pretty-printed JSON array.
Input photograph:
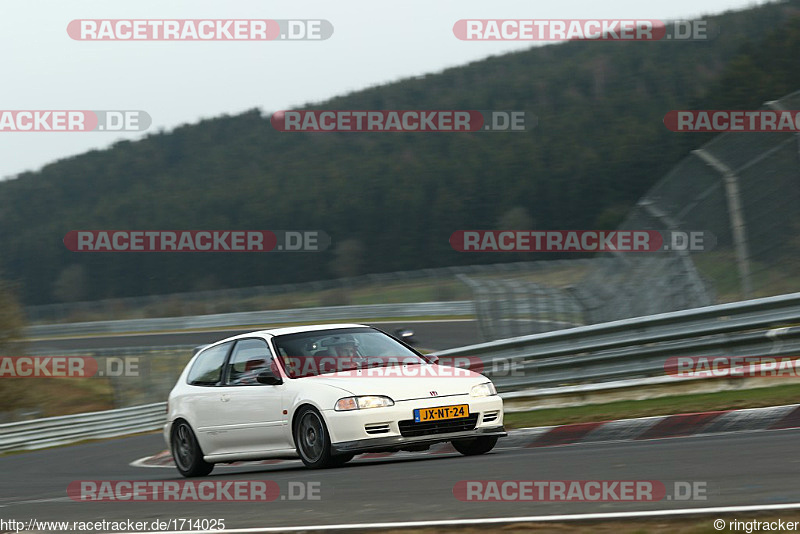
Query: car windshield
[{"x": 344, "y": 349}]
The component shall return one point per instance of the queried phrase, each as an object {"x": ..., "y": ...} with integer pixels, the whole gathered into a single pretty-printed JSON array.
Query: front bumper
[
  {"x": 167, "y": 433},
  {"x": 395, "y": 443},
  {"x": 379, "y": 429}
]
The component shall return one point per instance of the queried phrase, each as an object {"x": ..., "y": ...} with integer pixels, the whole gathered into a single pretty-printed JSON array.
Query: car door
[
  {"x": 209, "y": 417},
  {"x": 253, "y": 411}
]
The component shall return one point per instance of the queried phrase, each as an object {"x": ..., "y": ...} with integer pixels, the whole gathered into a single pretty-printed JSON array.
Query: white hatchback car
[{"x": 324, "y": 394}]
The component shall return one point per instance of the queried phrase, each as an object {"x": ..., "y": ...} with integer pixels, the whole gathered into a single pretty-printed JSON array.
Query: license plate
[{"x": 423, "y": 415}]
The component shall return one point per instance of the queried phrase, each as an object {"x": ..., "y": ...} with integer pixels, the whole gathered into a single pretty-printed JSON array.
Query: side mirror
[
  {"x": 265, "y": 376},
  {"x": 406, "y": 335}
]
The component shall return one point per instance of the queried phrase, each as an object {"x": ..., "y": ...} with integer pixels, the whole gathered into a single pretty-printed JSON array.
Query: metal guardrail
[
  {"x": 52, "y": 431},
  {"x": 461, "y": 308},
  {"x": 437, "y": 278},
  {"x": 107, "y": 352},
  {"x": 588, "y": 358},
  {"x": 639, "y": 347}
]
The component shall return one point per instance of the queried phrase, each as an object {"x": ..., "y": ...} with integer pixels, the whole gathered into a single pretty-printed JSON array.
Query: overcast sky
[{"x": 374, "y": 42}]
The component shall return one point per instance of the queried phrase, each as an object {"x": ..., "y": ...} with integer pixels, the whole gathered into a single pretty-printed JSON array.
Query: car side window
[
  {"x": 207, "y": 369},
  {"x": 250, "y": 357}
]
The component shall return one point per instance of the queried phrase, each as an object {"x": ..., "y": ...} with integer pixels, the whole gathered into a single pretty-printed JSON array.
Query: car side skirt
[{"x": 278, "y": 454}]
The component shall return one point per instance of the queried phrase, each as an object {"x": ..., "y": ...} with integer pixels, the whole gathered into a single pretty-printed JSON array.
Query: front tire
[
  {"x": 313, "y": 441},
  {"x": 186, "y": 452},
  {"x": 475, "y": 446},
  {"x": 341, "y": 459}
]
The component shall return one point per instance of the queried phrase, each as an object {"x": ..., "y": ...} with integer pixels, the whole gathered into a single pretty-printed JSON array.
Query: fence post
[{"x": 738, "y": 227}]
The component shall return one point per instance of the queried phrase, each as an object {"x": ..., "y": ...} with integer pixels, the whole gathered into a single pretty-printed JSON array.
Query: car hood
[{"x": 401, "y": 382}]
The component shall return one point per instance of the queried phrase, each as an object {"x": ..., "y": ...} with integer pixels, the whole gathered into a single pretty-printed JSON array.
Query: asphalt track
[
  {"x": 738, "y": 469},
  {"x": 437, "y": 335},
  {"x": 748, "y": 468}
]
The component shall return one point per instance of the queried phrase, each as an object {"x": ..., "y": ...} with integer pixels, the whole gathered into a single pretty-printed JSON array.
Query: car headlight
[
  {"x": 362, "y": 403},
  {"x": 483, "y": 390}
]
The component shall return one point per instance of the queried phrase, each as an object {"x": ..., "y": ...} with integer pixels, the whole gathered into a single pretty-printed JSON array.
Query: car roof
[
  {"x": 287, "y": 330},
  {"x": 306, "y": 328}
]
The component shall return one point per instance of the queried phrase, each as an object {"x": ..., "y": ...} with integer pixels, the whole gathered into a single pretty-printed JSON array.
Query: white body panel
[{"x": 248, "y": 421}]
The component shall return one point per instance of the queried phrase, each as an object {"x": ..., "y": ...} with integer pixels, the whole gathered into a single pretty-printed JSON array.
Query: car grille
[{"x": 410, "y": 429}]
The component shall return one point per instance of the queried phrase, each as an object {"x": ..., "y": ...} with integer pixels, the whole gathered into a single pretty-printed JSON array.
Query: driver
[{"x": 347, "y": 350}]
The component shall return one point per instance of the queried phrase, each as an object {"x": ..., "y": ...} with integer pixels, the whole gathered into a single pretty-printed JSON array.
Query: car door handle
[{"x": 224, "y": 398}]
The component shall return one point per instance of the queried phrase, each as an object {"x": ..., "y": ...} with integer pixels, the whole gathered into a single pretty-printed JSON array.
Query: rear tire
[
  {"x": 475, "y": 446},
  {"x": 313, "y": 441},
  {"x": 186, "y": 452}
]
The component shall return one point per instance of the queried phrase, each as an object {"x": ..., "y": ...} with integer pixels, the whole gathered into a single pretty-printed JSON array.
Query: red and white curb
[
  {"x": 665, "y": 426},
  {"x": 644, "y": 428}
]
